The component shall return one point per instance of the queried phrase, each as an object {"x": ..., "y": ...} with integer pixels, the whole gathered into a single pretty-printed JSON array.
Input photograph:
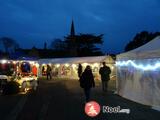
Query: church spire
[{"x": 72, "y": 33}]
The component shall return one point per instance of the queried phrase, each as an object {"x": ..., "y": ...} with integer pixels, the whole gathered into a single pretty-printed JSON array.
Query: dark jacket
[
  {"x": 105, "y": 72},
  {"x": 48, "y": 71},
  {"x": 87, "y": 79}
]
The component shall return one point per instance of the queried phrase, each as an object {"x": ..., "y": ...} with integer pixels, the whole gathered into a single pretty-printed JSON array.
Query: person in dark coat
[
  {"x": 79, "y": 70},
  {"x": 105, "y": 72},
  {"x": 87, "y": 82},
  {"x": 48, "y": 72}
]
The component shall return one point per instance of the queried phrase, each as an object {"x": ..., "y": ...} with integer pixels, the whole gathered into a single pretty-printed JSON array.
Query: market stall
[
  {"x": 67, "y": 67},
  {"x": 138, "y": 74},
  {"x": 23, "y": 72}
]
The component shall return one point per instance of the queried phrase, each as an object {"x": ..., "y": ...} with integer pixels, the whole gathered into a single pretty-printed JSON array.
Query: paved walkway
[{"x": 63, "y": 100}]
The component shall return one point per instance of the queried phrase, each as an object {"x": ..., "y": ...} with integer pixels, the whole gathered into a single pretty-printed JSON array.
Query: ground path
[{"x": 63, "y": 100}]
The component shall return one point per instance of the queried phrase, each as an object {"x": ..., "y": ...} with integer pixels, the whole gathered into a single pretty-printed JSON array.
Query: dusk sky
[{"x": 32, "y": 22}]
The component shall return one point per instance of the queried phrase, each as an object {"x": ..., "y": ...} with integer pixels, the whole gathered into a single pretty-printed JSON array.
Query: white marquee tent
[
  {"x": 138, "y": 74},
  {"x": 67, "y": 67},
  {"x": 77, "y": 60},
  {"x": 149, "y": 50}
]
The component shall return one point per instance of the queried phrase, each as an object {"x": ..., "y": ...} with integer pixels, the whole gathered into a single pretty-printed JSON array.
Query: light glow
[
  {"x": 37, "y": 65},
  {"x": 138, "y": 66},
  {"x": 85, "y": 64},
  {"x": 67, "y": 65},
  {"x": 95, "y": 65},
  {"x": 43, "y": 64},
  {"x": 31, "y": 62},
  {"x": 112, "y": 67},
  {"x": 3, "y": 61},
  {"x": 74, "y": 65},
  {"x": 57, "y": 65}
]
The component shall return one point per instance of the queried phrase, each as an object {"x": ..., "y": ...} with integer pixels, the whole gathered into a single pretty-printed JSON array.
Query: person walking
[
  {"x": 87, "y": 82},
  {"x": 79, "y": 70},
  {"x": 48, "y": 72},
  {"x": 105, "y": 72}
]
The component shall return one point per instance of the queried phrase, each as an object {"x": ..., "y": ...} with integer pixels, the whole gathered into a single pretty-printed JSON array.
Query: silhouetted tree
[
  {"x": 58, "y": 48},
  {"x": 84, "y": 44},
  {"x": 141, "y": 39},
  {"x": 33, "y": 52},
  {"x": 9, "y": 43},
  {"x": 58, "y": 45}
]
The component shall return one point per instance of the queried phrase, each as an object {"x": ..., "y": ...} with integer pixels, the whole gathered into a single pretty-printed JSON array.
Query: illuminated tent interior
[
  {"x": 23, "y": 67},
  {"x": 67, "y": 67},
  {"x": 138, "y": 74}
]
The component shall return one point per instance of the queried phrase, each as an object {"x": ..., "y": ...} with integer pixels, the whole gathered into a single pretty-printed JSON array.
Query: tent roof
[
  {"x": 149, "y": 50},
  {"x": 77, "y": 60}
]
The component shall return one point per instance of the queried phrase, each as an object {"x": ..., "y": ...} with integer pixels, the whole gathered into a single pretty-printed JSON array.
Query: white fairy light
[
  {"x": 67, "y": 65},
  {"x": 138, "y": 66}
]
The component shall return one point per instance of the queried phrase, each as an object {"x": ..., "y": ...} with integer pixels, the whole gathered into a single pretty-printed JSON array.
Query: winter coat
[
  {"x": 48, "y": 71},
  {"x": 105, "y": 72},
  {"x": 87, "y": 79}
]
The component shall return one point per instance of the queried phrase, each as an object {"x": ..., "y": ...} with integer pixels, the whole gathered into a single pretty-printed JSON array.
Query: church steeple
[{"x": 72, "y": 32}]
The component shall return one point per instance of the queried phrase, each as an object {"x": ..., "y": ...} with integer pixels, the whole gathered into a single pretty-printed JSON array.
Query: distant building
[
  {"x": 71, "y": 39},
  {"x": 72, "y": 32}
]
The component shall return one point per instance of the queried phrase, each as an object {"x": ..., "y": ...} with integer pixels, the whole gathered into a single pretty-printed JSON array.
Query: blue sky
[{"x": 32, "y": 22}]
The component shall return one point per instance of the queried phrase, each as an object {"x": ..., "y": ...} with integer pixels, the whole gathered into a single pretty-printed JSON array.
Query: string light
[
  {"x": 67, "y": 65},
  {"x": 95, "y": 65},
  {"x": 138, "y": 66}
]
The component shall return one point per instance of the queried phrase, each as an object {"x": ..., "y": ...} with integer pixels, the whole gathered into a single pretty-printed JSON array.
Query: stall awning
[{"x": 76, "y": 60}]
